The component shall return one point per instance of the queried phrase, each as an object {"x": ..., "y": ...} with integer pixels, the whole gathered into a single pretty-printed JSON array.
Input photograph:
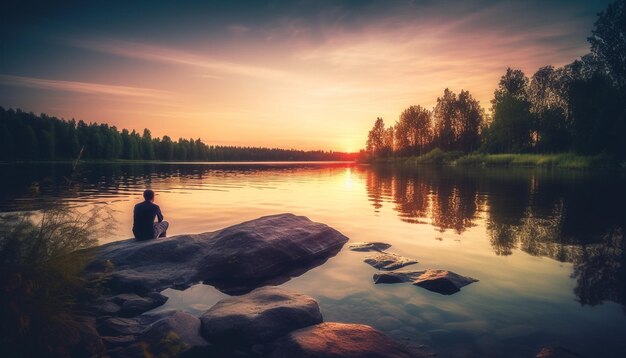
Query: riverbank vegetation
[
  {"x": 577, "y": 109},
  {"x": 41, "y": 283},
  {"x": 458, "y": 158}
]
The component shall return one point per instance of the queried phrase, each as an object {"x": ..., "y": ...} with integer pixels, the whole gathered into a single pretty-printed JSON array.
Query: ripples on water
[{"x": 546, "y": 245}]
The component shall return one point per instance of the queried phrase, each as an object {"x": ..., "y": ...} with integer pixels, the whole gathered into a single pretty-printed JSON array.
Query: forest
[
  {"x": 577, "y": 108},
  {"x": 29, "y": 137}
]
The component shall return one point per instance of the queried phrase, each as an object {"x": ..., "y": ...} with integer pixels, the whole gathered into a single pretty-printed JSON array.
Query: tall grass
[
  {"x": 561, "y": 160},
  {"x": 564, "y": 160},
  {"x": 41, "y": 282}
]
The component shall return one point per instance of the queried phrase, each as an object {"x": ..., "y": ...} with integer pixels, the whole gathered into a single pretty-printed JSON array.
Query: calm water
[{"x": 547, "y": 246}]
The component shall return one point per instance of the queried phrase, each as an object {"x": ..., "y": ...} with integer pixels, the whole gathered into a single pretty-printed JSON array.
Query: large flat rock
[
  {"x": 237, "y": 259},
  {"x": 258, "y": 317},
  {"x": 338, "y": 340}
]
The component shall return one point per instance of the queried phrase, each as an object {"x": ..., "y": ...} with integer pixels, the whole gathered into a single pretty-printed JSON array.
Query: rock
[
  {"x": 387, "y": 261},
  {"x": 397, "y": 276},
  {"x": 118, "y": 341},
  {"x": 70, "y": 336},
  {"x": 329, "y": 340},
  {"x": 440, "y": 281},
  {"x": 173, "y": 335},
  {"x": 118, "y": 326},
  {"x": 556, "y": 352},
  {"x": 138, "y": 305},
  {"x": 108, "y": 308},
  {"x": 236, "y": 259},
  {"x": 258, "y": 317},
  {"x": 368, "y": 246},
  {"x": 123, "y": 297},
  {"x": 474, "y": 328}
]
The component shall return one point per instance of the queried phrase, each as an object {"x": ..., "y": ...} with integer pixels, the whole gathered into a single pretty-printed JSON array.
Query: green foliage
[
  {"x": 375, "y": 138},
  {"x": 455, "y": 124},
  {"x": 511, "y": 128},
  {"x": 40, "y": 278},
  {"x": 27, "y": 137},
  {"x": 576, "y": 108},
  {"x": 608, "y": 41},
  {"x": 564, "y": 160},
  {"x": 437, "y": 157},
  {"x": 413, "y": 130}
]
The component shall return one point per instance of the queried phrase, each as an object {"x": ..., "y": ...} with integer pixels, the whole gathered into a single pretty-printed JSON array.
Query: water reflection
[
  {"x": 495, "y": 224},
  {"x": 566, "y": 216},
  {"x": 29, "y": 186}
]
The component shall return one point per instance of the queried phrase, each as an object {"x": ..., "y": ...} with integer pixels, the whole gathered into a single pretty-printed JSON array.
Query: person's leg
[
  {"x": 160, "y": 229},
  {"x": 165, "y": 225}
]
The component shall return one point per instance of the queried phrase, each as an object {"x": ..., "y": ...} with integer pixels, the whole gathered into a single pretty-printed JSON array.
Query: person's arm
[{"x": 159, "y": 214}]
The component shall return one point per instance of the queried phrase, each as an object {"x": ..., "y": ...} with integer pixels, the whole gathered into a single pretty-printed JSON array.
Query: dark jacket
[{"x": 143, "y": 219}]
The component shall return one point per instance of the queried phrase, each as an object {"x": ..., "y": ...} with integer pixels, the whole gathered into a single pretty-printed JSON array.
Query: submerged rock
[
  {"x": 368, "y": 246},
  {"x": 440, "y": 281},
  {"x": 174, "y": 335},
  {"x": 387, "y": 261},
  {"x": 237, "y": 259},
  {"x": 258, "y": 317},
  {"x": 329, "y": 340}
]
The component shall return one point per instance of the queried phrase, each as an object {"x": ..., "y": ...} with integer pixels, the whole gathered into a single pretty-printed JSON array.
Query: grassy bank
[{"x": 562, "y": 160}]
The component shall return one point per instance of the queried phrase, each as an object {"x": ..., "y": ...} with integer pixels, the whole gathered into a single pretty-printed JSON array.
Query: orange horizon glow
[{"x": 288, "y": 83}]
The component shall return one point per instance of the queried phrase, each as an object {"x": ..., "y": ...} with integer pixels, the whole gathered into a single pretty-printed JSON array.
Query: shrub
[{"x": 40, "y": 278}]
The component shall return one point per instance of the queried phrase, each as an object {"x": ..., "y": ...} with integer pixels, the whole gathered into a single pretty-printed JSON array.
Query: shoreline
[
  {"x": 127, "y": 161},
  {"x": 550, "y": 161}
]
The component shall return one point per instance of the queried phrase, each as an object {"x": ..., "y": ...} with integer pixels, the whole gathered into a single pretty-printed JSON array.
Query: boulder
[
  {"x": 258, "y": 317},
  {"x": 108, "y": 308},
  {"x": 341, "y": 340},
  {"x": 172, "y": 336},
  {"x": 387, "y": 261},
  {"x": 237, "y": 259},
  {"x": 118, "y": 326},
  {"x": 138, "y": 305},
  {"x": 441, "y": 281},
  {"x": 368, "y": 246}
]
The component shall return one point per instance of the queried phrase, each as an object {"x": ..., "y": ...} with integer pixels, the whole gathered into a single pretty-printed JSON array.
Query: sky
[{"x": 288, "y": 74}]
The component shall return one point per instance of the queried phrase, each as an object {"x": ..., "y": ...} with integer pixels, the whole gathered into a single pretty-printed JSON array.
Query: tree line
[
  {"x": 26, "y": 137},
  {"x": 578, "y": 108}
]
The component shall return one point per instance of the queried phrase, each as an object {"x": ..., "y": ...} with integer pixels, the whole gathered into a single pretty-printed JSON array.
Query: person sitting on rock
[{"x": 144, "y": 227}]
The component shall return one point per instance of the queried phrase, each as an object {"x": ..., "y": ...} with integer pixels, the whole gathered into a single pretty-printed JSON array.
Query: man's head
[{"x": 148, "y": 195}]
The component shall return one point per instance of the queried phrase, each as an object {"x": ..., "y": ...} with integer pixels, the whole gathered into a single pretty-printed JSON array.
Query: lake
[{"x": 546, "y": 245}]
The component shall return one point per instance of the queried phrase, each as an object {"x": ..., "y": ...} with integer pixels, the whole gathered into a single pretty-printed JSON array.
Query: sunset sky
[{"x": 299, "y": 74}]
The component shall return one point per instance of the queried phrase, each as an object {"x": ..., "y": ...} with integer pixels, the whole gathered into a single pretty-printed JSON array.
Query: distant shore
[
  {"x": 127, "y": 161},
  {"x": 558, "y": 160}
]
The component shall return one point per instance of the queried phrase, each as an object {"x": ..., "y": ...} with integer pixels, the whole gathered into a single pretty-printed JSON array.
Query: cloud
[
  {"x": 238, "y": 29},
  {"x": 82, "y": 87},
  {"x": 167, "y": 55}
]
